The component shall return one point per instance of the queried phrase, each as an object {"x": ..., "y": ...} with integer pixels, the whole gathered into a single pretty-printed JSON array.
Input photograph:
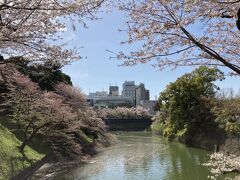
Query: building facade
[
  {"x": 92, "y": 97},
  {"x": 129, "y": 90},
  {"x": 97, "y": 94},
  {"x": 141, "y": 94},
  {"x": 113, "y": 102},
  {"x": 113, "y": 91},
  {"x": 131, "y": 96}
]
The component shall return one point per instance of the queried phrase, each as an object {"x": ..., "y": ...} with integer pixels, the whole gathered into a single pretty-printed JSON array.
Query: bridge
[{"x": 128, "y": 124}]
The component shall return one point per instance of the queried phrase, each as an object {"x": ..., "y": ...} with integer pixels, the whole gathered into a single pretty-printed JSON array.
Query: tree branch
[
  {"x": 211, "y": 52},
  {"x": 232, "y": 2}
]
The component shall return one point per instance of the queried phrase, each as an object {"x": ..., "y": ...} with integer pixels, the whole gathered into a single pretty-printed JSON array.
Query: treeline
[
  {"x": 41, "y": 101},
  {"x": 194, "y": 111},
  {"x": 189, "y": 107},
  {"x": 123, "y": 113}
]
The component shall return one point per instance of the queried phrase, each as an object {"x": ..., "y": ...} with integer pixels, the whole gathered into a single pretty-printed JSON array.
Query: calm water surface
[{"x": 142, "y": 156}]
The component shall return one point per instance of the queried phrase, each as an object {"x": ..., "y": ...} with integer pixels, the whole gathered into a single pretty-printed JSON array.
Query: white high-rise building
[{"x": 129, "y": 89}]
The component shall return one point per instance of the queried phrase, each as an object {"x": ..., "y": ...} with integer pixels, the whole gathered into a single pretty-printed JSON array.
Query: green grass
[{"x": 11, "y": 160}]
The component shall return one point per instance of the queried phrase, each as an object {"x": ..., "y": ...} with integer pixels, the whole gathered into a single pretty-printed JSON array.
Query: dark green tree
[
  {"x": 47, "y": 75},
  {"x": 187, "y": 103}
]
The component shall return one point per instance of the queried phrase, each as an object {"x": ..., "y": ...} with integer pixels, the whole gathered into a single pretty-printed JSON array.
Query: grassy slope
[{"x": 11, "y": 160}]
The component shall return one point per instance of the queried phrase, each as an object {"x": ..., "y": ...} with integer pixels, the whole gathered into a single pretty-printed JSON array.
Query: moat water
[{"x": 142, "y": 156}]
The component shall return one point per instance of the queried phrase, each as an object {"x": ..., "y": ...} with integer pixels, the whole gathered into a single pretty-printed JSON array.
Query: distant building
[
  {"x": 141, "y": 94},
  {"x": 113, "y": 101},
  {"x": 97, "y": 95},
  {"x": 149, "y": 105},
  {"x": 131, "y": 96},
  {"x": 92, "y": 97},
  {"x": 113, "y": 91},
  {"x": 129, "y": 89}
]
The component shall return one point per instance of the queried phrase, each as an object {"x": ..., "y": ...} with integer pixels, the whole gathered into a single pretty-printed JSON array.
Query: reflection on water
[{"x": 141, "y": 156}]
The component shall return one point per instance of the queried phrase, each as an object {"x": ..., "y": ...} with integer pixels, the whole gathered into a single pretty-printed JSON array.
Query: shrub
[
  {"x": 169, "y": 130},
  {"x": 157, "y": 128},
  {"x": 232, "y": 128}
]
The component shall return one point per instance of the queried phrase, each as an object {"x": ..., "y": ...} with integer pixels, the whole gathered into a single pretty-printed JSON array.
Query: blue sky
[{"x": 97, "y": 71}]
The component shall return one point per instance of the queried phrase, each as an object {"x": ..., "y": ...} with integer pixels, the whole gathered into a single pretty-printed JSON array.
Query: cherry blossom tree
[
  {"x": 70, "y": 127},
  {"x": 90, "y": 122},
  {"x": 123, "y": 113},
  {"x": 57, "y": 109},
  {"x": 77, "y": 100},
  {"x": 183, "y": 33},
  {"x": 73, "y": 95},
  {"x": 32, "y": 110},
  {"x": 27, "y": 108},
  {"x": 63, "y": 126},
  {"x": 45, "y": 113},
  {"x": 30, "y": 28},
  {"x": 222, "y": 163}
]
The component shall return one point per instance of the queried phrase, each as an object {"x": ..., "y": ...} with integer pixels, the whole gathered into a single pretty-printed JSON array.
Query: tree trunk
[
  {"x": 23, "y": 145},
  {"x": 26, "y": 142},
  {"x": 28, "y": 139}
]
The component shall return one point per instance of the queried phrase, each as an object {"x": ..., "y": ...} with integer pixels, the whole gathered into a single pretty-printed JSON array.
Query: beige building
[
  {"x": 141, "y": 94},
  {"x": 113, "y": 91}
]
